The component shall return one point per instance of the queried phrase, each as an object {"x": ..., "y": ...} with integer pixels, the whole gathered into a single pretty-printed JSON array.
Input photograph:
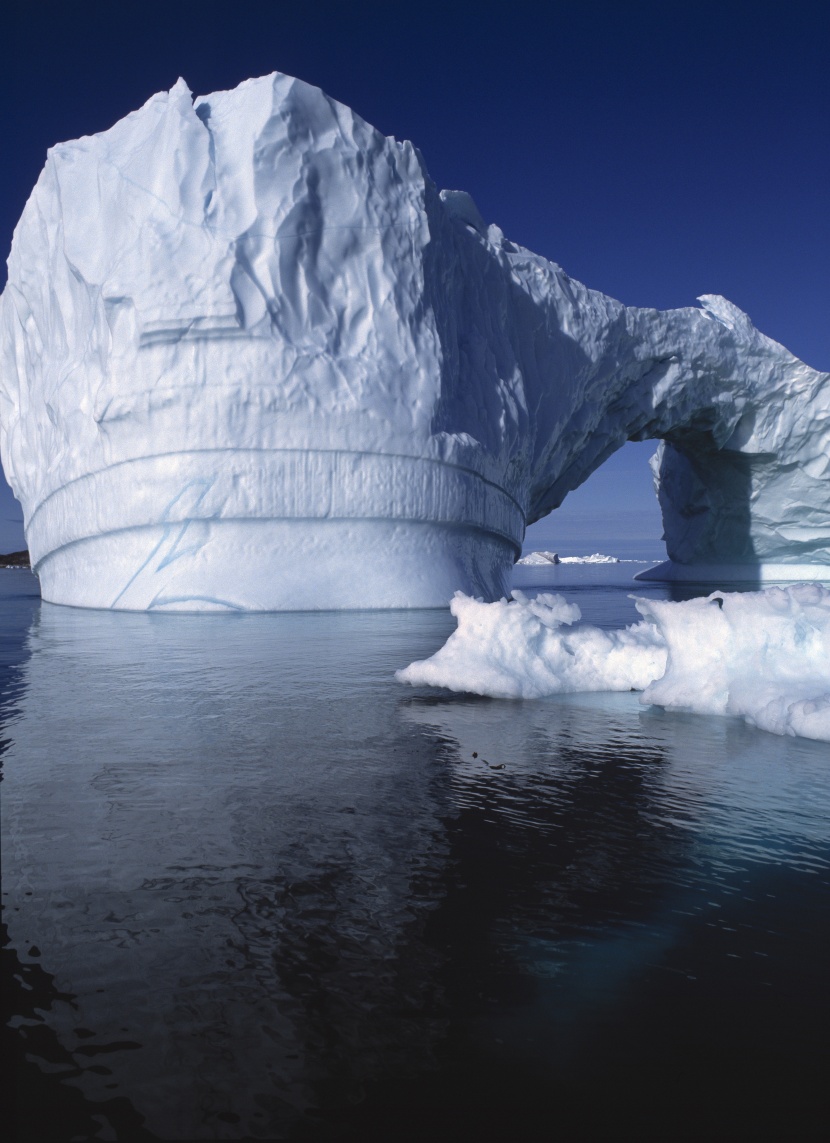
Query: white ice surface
[
  {"x": 596, "y": 558},
  {"x": 528, "y": 648},
  {"x": 539, "y": 559},
  {"x": 247, "y": 328},
  {"x": 762, "y": 656}
]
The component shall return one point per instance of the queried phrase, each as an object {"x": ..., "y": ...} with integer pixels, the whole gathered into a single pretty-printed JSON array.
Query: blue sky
[{"x": 657, "y": 151}]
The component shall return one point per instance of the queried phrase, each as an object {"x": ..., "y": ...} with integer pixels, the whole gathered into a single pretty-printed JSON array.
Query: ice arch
[{"x": 251, "y": 358}]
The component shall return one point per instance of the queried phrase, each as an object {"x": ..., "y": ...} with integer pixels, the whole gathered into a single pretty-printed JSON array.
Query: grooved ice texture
[{"x": 250, "y": 358}]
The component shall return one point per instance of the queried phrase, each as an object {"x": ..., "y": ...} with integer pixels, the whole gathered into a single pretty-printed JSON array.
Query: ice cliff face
[{"x": 251, "y": 358}]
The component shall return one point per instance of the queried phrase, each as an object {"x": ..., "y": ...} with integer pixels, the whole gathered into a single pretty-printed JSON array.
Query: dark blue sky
[{"x": 656, "y": 151}]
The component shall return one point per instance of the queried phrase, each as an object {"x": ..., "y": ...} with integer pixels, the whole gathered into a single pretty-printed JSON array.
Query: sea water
[{"x": 255, "y": 888}]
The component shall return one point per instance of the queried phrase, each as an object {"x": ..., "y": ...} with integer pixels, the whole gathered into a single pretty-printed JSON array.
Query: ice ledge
[
  {"x": 671, "y": 572},
  {"x": 270, "y": 484},
  {"x": 261, "y": 564}
]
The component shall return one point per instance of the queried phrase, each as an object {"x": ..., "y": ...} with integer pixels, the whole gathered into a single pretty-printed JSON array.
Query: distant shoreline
[{"x": 15, "y": 560}]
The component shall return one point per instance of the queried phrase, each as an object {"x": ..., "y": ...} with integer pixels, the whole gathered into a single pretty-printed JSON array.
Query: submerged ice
[
  {"x": 762, "y": 656},
  {"x": 251, "y": 358}
]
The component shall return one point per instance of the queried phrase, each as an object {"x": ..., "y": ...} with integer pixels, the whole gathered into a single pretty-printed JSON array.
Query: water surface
[{"x": 255, "y": 888}]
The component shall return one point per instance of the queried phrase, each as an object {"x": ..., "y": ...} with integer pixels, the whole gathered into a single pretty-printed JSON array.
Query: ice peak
[
  {"x": 461, "y": 205},
  {"x": 732, "y": 316}
]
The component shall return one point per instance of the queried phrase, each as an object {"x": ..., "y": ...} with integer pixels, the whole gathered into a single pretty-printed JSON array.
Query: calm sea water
[{"x": 256, "y": 889}]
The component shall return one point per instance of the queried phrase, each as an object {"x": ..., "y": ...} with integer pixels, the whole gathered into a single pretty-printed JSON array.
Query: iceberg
[
  {"x": 761, "y": 656},
  {"x": 540, "y": 559},
  {"x": 252, "y": 358},
  {"x": 596, "y": 558}
]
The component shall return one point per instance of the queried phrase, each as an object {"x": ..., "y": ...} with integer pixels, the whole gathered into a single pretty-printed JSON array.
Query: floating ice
[
  {"x": 528, "y": 648},
  {"x": 250, "y": 358},
  {"x": 538, "y": 559},
  {"x": 596, "y": 558},
  {"x": 763, "y": 656}
]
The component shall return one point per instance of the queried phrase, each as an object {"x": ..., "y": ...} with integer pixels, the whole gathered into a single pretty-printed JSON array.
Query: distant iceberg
[
  {"x": 252, "y": 358},
  {"x": 762, "y": 656},
  {"x": 539, "y": 559}
]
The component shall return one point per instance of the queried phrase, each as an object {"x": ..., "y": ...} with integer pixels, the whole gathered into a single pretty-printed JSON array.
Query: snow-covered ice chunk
[
  {"x": 538, "y": 559},
  {"x": 528, "y": 648},
  {"x": 762, "y": 656},
  {"x": 251, "y": 357}
]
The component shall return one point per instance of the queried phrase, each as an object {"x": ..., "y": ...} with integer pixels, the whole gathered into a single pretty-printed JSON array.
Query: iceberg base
[
  {"x": 671, "y": 572},
  {"x": 277, "y": 565}
]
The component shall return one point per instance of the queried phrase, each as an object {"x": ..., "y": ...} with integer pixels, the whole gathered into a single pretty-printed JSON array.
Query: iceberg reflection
[{"x": 283, "y": 897}]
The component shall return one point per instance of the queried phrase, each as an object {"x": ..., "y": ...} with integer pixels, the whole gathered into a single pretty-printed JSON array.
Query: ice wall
[{"x": 250, "y": 358}]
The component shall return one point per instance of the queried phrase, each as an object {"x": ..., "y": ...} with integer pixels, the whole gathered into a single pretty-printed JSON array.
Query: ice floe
[{"x": 762, "y": 656}]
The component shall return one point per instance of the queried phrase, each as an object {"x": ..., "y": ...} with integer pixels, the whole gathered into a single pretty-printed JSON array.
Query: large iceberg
[{"x": 251, "y": 358}]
